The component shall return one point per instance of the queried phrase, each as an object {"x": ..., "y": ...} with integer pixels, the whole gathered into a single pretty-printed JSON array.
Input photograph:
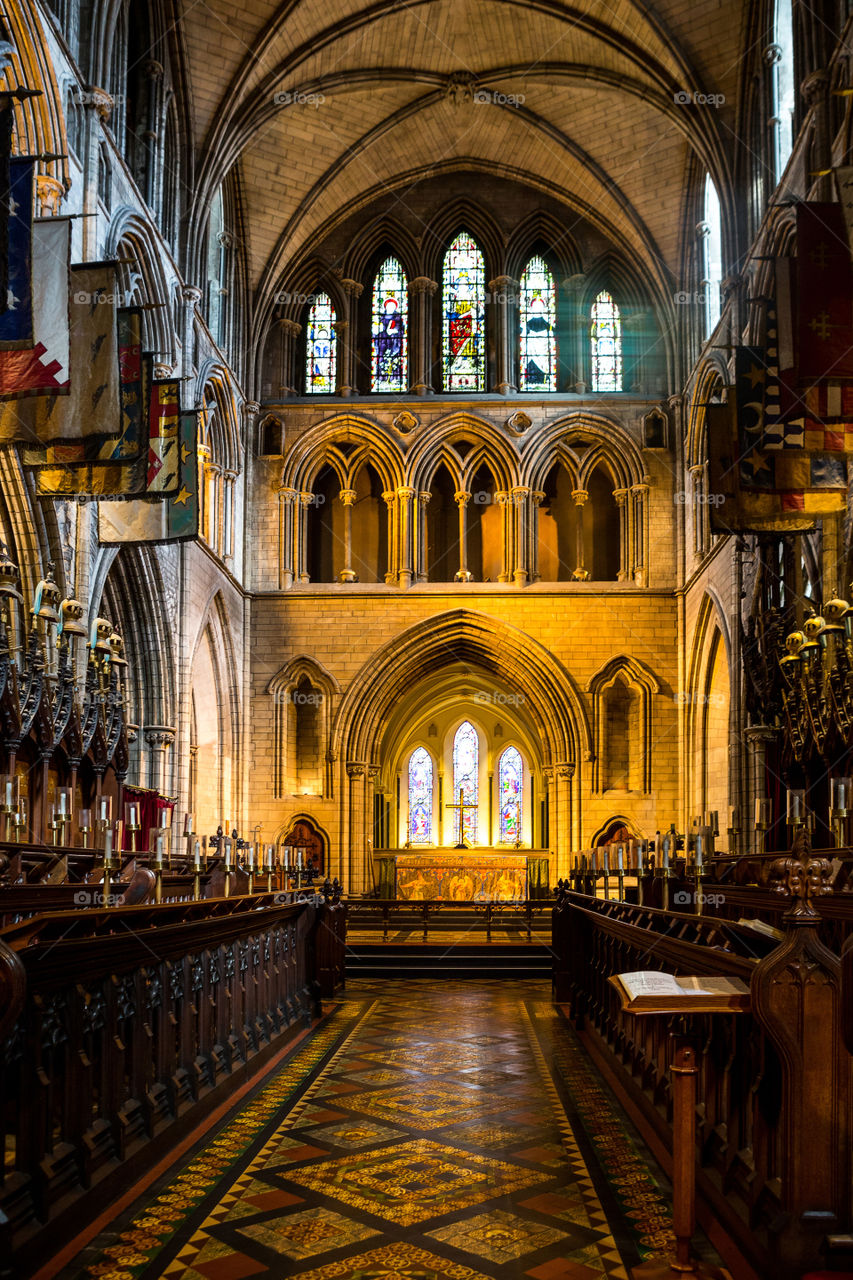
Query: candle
[
  {"x": 286, "y": 855},
  {"x": 9, "y": 793},
  {"x": 160, "y": 847},
  {"x": 796, "y": 807},
  {"x": 840, "y": 791},
  {"x": 606, "y": 861},
  {"x": 197, "y": 855},
  {"x": 108, "y": 844},
  {"x": 620, "y": 855},
  {"x": 665, "y": 853},
  {"x": 227, "y": 851},
  {"x": 105, "y": 807},
  {"x": 699, "y": 843},
  {"x": 63, "y": 802},
  {"x": 300, "y": 859},
  {"x": 763, "y": 812},
  {"x": 189, "y": 824}
]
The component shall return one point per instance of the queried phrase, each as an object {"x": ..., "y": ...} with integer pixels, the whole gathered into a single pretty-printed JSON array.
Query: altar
[{"x": 463, "y": 875}]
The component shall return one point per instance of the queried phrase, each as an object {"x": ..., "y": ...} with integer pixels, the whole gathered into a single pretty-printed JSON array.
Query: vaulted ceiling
[{"x": 327, "y": 104}]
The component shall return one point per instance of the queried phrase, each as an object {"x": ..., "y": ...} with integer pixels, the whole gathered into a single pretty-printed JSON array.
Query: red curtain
[{"x": 154, "y": 811}]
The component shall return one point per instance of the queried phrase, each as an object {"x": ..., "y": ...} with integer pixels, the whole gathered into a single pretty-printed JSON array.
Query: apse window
[
  {"x": 321, "y": 350},
  {"x": 510, "y": 790},
  {"x": 390, "y": 328},
  {"x": 420, "y": 796},
  {"x": 464, "y": 296},
  {"x": 537, "y": 325},
  {"x": 466, "y": 783},
  {"x": 606, "y": 344},
  {"x": 712, "y": 256}
]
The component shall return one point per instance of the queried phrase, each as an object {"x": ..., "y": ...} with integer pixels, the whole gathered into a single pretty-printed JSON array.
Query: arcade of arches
[{"x": 451, "y": 335}]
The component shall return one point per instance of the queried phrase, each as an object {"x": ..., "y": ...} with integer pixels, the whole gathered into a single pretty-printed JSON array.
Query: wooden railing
[
  {"x": 123, "y": 1027},
  {"x": 773, "y": 1125},
  {"x": 403, "y": 913}
]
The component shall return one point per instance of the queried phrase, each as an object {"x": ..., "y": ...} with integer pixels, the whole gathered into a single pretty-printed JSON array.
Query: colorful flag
[
  {"x": 755, "y": 490},
  {"x": 42, "y": 367},
  {"x": 16, "y": 318},
  {"x": 171, "y": 519},
  {"x": 824, "y": 291},
  {"x": 91, "y": 405}
]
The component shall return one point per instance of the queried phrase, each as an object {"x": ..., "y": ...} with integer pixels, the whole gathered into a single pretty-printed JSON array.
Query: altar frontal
[{"x": 461, "y": 877}]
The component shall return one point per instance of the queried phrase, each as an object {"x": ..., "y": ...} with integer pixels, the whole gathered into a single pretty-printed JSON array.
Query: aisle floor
[{"x": 455, "y": 1131}]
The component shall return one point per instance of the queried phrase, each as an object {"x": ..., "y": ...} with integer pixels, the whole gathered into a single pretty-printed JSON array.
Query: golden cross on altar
[{"x": 460, "y": 808}]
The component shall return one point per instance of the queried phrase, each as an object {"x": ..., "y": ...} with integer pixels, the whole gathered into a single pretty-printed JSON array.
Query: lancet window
[
  {"x": 389, "y": 352},
  {"x": 464, "y": 324},
  {"x": 537, "y": 325},
  {"x": 606, "y": 344},
  {"x": 466, "y": 782},
  {"x": 321, "y": 353},
  {"x": 421, "y": 775}
]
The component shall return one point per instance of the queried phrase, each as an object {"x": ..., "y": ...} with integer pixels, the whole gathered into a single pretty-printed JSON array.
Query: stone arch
[
  {"x": 489, "y": 441},
  {"x": 215, "y": 693},
  {"x": 39, "y": 127},
  {"x": 133, "y": 242},
  {"x": 632, "y": 675},
  {"x": 290, "y": 703},
  {"x": 707, "y": 701}
]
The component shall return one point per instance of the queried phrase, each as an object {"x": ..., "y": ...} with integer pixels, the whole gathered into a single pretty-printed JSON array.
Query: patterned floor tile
[
  {"x": 431, "y": 1106},
  {"x": 414, "y": 1181},
  {"x": 306, "y": 1234},
  {"x": 498, "y": 1235},
  {"x": 354, "y": 1134},
  {"x": 399, "y": 1261}
]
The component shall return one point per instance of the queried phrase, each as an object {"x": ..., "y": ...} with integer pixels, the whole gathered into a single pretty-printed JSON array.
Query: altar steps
[{"x": 448, "y": 959}]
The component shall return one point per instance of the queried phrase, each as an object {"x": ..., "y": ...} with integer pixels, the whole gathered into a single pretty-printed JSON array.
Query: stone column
[
  {"x": 699, "y": 510},
  {"x": 520, "y": 571},
  {"x": 537, "y": 497},
  {"x": 639, "y": 494},
  {"x": 421, "y": 572},
  {"x": 305, "y": 501},
  {"x": 508, "y": 528},
  {"x": 758, "y": 738},
  {"x": 463, "y": 574},
  {"x": 504, "y": 292},
  {"x": 153, "y": 178},
  {"x": 349, "y": 387},
  {"x": 564, "y": 818},
  {"x": 288, "y": 508},
  {"x": 406, "y": 541},
  {"x": 343, "y": 385},
  {"x": 159, "y": 738},
  {"x": 393, "y": 569},
  {"x": 99, "y": 106},
  {"x": 581, "y": 573},
  {"x": 190, "y": 297},
  {"x": 357, "y": 844},
  {"x": 815, "y": 90},
  {"x": 291, "y": 382},
  {"x": 370, "y": 826},
  {"x": 620, "y": 496},
  {"x": 213, "y": 505},
  {"x": 421, "y": 293},
  {"x": 347, "y": 574}
]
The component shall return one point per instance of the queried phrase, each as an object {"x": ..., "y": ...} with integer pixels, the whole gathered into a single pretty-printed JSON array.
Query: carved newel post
[{"x": 796, "y": 999}]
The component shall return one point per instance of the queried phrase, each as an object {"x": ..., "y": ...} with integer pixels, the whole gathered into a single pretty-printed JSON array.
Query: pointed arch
[
  {"x": 537, "y": 306},
  {"x": 633, "y": 675},
  {"x": 302, "y": 694}
]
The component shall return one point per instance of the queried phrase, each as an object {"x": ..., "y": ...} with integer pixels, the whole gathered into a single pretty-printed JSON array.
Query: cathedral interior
[{"x": 510, "y": 342}]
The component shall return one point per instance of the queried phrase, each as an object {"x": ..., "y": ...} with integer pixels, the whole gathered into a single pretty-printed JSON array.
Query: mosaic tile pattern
[{"x": 421, "y": 1133}]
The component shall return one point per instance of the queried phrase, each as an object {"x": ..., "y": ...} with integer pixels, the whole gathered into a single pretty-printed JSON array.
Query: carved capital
[
  {"x": 423, "y": 284},
  {"x": 291, "y": 327},
  {"x": 49, "y": 192},
  {"x": 352, "y": 288},
  {"x": 160, "y": 736},
  {"x": 101, "y": 101},
  {"x": 580, "y": 497},
  {"x": 462, "y": 497},
  {"x": 355, "y": 771},
  {"x": 347, "y": 497},
  {"x": 191, "y": 295}
]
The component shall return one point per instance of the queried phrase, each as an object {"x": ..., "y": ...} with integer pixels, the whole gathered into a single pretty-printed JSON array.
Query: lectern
[{"x": 662, "y": 994}]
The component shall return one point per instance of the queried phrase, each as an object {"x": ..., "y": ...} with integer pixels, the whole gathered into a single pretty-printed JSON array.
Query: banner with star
[
  {"x": 765, "y": 490},
  {"x": 101, "y": 465},
  {"x": 174, "y": 518},
  {"x": 89, "y": 406}
]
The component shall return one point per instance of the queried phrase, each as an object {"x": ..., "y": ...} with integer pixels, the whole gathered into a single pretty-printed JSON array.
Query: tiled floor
[{"x": 424, "y": 1131}]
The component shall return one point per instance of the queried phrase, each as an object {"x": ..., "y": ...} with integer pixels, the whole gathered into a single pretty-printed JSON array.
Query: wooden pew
[{"x": 126, "y": 1026}]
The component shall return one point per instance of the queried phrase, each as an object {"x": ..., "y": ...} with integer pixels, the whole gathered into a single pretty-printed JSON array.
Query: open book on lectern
[{"x": 648, "y": 991}]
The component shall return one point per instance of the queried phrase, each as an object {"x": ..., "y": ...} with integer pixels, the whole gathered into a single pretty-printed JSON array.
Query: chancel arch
[{"x": 516, "y": 674}]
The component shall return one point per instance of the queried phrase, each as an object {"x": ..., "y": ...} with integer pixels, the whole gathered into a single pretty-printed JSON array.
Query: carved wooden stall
[
  {"x": 124, "y": 1027},
  {"x": 773, "y": 1118}
]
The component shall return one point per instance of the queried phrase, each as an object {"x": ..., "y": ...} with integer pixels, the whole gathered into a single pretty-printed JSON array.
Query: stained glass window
[
  {"x": 420, "y": 797},
  {"x": 712, "y": 249},
  {"x": 466, "y": 778},
  {"x": 390, "y": 328},
  {"x": 537, "y": 323},
  {"x": 510, "y": 778},
  {"x": 322, "y": 347},
  {"x": 606, "y": 342},
  {"x": 464, "y": 322}
]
